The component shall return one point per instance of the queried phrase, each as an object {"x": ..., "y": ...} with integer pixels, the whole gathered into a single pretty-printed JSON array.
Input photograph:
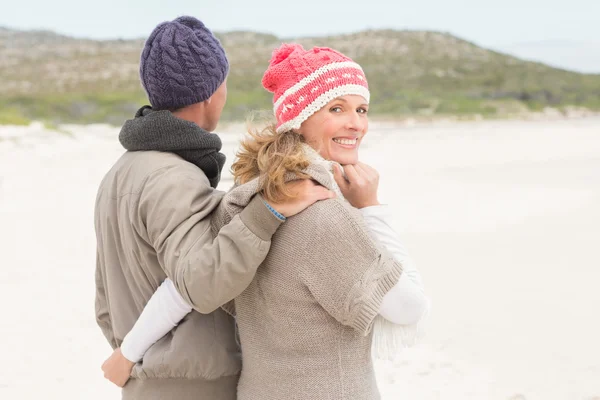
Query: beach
[{"x": 501, "y": 217}]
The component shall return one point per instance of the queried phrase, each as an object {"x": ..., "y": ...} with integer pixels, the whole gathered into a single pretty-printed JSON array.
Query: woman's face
[{"x": 336, "y": 130}]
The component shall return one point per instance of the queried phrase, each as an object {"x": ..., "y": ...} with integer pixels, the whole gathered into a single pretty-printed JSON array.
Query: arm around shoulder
[{"x": 207, "y": 271}]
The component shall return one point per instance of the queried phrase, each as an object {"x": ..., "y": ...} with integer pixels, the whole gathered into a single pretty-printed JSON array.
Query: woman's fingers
[
  {"x": 352, "y": 174},
  {"x": 368, "y": 170},
  {"x": 339, "y": 177},
  {"x": 361, "y": 188}
]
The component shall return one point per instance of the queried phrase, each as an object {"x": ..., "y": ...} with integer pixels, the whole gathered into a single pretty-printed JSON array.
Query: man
[{"x": 152, "y": 222}]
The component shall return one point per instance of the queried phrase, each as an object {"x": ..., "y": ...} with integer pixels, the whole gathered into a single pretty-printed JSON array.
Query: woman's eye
[
  {"x": 336, "y": 109},
  {"x": 362, "y": 110}
]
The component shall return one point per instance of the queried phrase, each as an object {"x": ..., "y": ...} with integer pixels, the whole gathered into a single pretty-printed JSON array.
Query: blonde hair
[{"x": 270, "y": 156}]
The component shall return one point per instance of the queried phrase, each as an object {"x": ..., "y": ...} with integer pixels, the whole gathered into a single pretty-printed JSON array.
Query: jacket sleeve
[
  {"x": 101, "y": 306},
  {"x": 207, "y": 271},
  {"x": 345, "y": 270}
]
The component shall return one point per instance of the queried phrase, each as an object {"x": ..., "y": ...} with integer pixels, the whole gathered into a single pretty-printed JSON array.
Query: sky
[{"x": 518, "y": 25}]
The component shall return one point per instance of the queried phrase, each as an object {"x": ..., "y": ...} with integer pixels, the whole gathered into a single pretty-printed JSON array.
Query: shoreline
[{"x": 8, "y": 132}]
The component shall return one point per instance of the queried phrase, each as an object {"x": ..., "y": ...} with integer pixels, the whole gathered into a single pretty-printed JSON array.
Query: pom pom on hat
[
  {"x": 274, "y": 77},
  {"x": 283, "y": 52}
]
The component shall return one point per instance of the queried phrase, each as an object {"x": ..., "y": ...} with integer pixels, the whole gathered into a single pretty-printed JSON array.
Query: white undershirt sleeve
[
  {"x": 163, "y": 312},
  {"x": 405, "y": 303}
]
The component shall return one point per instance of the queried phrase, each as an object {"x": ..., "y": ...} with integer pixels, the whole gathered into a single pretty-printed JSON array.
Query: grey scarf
[{"x": 162, "y": 131}]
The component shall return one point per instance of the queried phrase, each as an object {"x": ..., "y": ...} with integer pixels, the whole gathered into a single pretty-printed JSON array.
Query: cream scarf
[{"x": 388, "y": 339}]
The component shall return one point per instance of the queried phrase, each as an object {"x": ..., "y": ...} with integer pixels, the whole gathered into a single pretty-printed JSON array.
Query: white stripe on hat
[
  {"x": 318, "y": 72},
  {"x": 320, "y": 102}
]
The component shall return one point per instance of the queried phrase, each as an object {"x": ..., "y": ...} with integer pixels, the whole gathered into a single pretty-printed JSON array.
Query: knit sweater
[{"x": 305, "y": 320}]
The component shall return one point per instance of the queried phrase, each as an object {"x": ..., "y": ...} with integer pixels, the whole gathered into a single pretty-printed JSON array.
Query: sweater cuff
[
  {"x": 369, "y": 309},
  {"x": 259, "y": 219}
]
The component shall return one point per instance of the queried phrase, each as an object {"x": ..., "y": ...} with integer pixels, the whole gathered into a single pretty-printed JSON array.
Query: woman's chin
[{"x": 345, "y": 159}]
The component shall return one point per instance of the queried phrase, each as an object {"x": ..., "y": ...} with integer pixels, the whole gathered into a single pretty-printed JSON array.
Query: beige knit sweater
[{"x": 305, "y": 320}]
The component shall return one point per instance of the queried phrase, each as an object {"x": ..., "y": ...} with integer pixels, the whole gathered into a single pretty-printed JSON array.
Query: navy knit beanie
[{"x": 182, "y": 63}]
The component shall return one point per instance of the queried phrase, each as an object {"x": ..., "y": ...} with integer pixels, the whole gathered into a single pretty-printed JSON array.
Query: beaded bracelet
[{"x": 278, "y": 215}]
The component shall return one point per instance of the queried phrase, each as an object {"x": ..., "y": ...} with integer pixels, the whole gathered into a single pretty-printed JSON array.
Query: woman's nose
[{"x": 355, "y": 122}]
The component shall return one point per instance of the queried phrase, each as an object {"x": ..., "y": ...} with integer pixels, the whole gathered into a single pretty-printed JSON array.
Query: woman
[{"x": 305, "y": 322}]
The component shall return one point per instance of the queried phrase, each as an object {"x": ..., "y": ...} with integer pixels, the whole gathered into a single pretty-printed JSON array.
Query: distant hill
[{"x": 56, "y": 78}]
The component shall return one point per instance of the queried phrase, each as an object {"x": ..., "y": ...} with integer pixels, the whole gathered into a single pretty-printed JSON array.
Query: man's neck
[{"x": 193, "y": 114}]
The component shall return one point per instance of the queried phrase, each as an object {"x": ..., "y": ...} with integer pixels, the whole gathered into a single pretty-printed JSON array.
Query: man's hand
[
  {"x": 117, "y": 368},
  {"x": 307, "y": 192},
  {"x": 360, "y": 188}
]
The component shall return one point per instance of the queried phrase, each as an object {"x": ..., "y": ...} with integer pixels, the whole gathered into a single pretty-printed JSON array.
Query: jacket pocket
[{"x": 199, "y": 347}]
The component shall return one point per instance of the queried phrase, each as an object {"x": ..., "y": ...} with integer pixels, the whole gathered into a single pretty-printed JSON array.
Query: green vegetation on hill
[{"x": 58, "y": 79}]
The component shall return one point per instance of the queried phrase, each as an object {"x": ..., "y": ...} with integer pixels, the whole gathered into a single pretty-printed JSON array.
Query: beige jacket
[
  {"x": 305, "y": 321},
  {"x": 152, "y": 221}
]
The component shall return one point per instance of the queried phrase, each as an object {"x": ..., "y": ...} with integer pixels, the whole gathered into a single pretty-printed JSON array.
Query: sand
[{"x": 502, "y": 219}]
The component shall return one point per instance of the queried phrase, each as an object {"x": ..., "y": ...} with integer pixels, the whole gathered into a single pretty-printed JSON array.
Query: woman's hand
[
  {"x": 117, "y": 368},
  {"x": 360, "y": 185},
  {"x": 306, "y": 192}
]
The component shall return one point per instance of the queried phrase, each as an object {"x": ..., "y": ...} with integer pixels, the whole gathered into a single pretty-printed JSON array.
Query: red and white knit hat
[{"x": 303, "y": 81}]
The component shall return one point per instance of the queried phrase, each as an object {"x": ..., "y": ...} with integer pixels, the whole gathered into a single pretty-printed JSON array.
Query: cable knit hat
[
  {"x": 182, "y": 63},
  {"x": 303, "y": 81}
]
